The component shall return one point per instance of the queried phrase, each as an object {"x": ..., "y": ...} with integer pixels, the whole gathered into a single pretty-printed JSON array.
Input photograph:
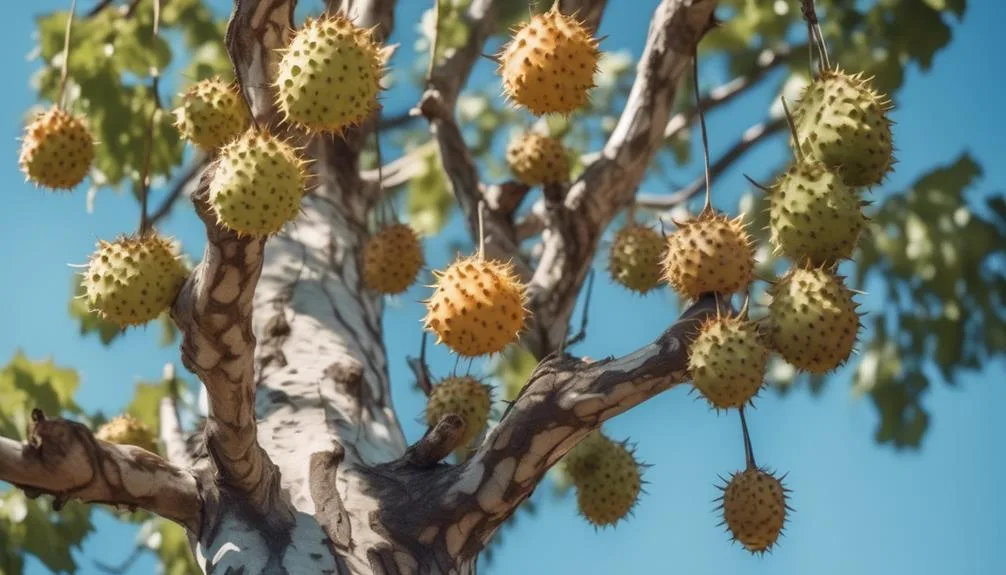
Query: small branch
[
  {"x": 97, "y": 8},
  {"x": 401, "y": 170},
  {"x": 589, "y": 12},
  {"x": 754, "y": 135},
  {"x": 438, "y": 442},
  {"x": 183, "y": 187},
  {"x": 64, "y": 459},
  {"x": 421, "y": 369}
]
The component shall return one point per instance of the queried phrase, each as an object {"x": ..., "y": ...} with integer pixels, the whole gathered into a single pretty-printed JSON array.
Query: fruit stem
[
  {"x": 435, "y": 44},
  {"x": 748, "y": 450},
  {"x": 792, "y": 129},
  {"x": 482, "y": 230},
  {"x": 815, "y": 34},
  {"x": 702, "y": 123},
  {"x": 155, "y": 77},
  {"x": 64, "y": 72}
]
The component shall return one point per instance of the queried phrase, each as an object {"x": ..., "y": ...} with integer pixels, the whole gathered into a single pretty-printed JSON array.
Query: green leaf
[
  {"x": 429, "y": 200},
  {"x": 146, "y": 403},
  {"x": 26, "y": 384}
]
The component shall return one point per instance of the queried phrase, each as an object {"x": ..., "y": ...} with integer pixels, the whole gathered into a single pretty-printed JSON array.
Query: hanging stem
[
  {"x": 64, "y": 72},
  {"x": 702, "y": 123},
  {"x": 748, "y": 450},
  {"x": 815, "y": 34},
  {"x": 155, "y": 78},
  {"x": 482, "y": 230},
  {"x": 792, "y": 129}
]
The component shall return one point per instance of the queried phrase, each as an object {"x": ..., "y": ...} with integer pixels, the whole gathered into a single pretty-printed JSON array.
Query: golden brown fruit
[
  {"x": 635, "y": 258},
  {"x": 57, "y": 150},
  {"x": 709, "y": 253},
  {"x": 392, "y": 259},
  {"x": 211, "y": 114},
  {"x": 464, "y": 397},
  {"x": 754, "y": 509},
  {"x": 537, "y": 159}
]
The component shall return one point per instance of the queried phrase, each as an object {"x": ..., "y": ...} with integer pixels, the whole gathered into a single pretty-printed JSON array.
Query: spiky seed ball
[
  {"x": 607, "y": 478},
  {"x": 549, "y": 64},
  {"x": 843, "y": 122},
  {"x": 391, "y": 259},
  {"x": 211, "y": 114},
  {"x": 537, "y": 159},
  {"x": 754, "y": 509},
  {"x": 813, "y": 319},
  {"x": 477, "y": 307},
  {"x": 132, "y": 280},
  {"x": 57, "y": 150},
  {"x": 814, "y": 217},
  {"x": 462, "y": 396},
  {"x": 727, "y": 361},
  {"x": 710, "y": 253},
  {"x": 329, "y": 76},
  {"x": 635, "y": 257},
  {"x": 127, "y": 430},
  {"x": 257, "y": 184}
]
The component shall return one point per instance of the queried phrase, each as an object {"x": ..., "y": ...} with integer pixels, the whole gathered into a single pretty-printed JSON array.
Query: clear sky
[{"x": 860, "y": 508}]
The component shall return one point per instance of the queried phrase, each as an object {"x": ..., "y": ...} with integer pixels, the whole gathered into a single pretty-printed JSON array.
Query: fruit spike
[
  {"x": 607, "y": 477},
  {"x": 57, "y": 150},
  {"x": 727, "y": 361},
  {"x": 814, "y": 217},
  {"x": 257, "y": 184},
  {"x": 211, "y": 114},
  {"x": 132, "y": 280},
  {"x": 710, "y": 253},
  {"x": 634, "y": 260},
  {"x": 391, "y": 259},
  {"x": 843, "y": 122},
  {"x": 549, "y": 64},
  {"x": 754, "y": 509},
  {"x": 477, "y": 307},
  {"x": 813, "y": 320},
  {"x": 537, "y": 159},
  {"x": 329, "y": 76},
  {"x": 127, "y": 430},
  {"x": 465, "y": 397}
]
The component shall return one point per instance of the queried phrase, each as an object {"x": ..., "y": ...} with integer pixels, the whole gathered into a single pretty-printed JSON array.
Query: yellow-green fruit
[
  {"x": 607, "y": 478},
  {"x": 57, "y": 150},
  {"x": 635, "y": 258},
  {"x": 549, "y": 64},
  {"x": 132, "y": 280},
  {"x": 843, "y": 122},
  {"x": 464, "y": 397},
  {"x": 814, "y": 217},
  {"x": 257, "y": 184},
  {"x": 211, "y": 114},
  {"x": 537, "y": 159},
  {"x": 329, "y": 76},
  {"x": 710, "y": 253},
  {"x": 127, "y": 430},
  {"x": 391, "y": 259},
  {"x": 813, "y": 319},
  {"x": 477, "y": 307},
  {"x": 727, "y": 361},
  {"x": 754, "y": 509}
]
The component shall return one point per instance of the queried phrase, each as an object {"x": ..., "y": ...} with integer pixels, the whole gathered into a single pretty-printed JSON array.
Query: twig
[
  {"x": 582, "y": 334},
  {"x": 190, "y": 175},
  {"x": 421, "y": 369},
  {"x": 65, "y": 71}
]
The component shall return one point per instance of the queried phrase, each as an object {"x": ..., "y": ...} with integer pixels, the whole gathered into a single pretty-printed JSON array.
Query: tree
[{"x": 282, "y": 326}]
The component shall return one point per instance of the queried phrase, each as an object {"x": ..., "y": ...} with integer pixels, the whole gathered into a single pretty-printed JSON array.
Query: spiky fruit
[
  {"x": 127, "y": 430},
  {"x": 132, "y": 280},
  {"x": 814, "y": 217},
  {"x": 257, "y": 184},
  {"x": 843, "y": 122},
  {"x": 211, "y": 114},
  {"x": 727, "y": 361},
  {"x": 391, "y": 259},
  {"x": 329, "y": 76},
  {"x": 754, "y": 509},
  {"x": 709, "y": 253},
  {"x": 607, "y": 478},
  {"x": 635, "y": 257},
  {"x": 813, "y": 320},
  {"x": 462, "y": 396},
  {"x": 57, "y": 150},
  {"x": 477, "y": 307},
  {"x": 537, "y": 159},
  {"x": 548, "y": 65}
]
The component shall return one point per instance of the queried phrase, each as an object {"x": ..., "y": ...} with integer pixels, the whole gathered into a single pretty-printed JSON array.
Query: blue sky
[{"x": 860, "y": 508}]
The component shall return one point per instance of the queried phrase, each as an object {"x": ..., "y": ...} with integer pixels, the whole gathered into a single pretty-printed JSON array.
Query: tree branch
[
  {"x": 754, "y": 135},
  {"x": 589, "y": 12},
  {"x": 184, "y": 184},
  {"x": 64, "y": 459}
]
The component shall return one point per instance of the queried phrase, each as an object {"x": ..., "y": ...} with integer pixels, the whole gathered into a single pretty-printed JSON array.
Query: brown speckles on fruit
[
  {"x": 330, "y": 75},
  {"x": 537, "y": 159},
  {"x": 813, "y": 320},
  {"x": 392, "y": 258},
  {"x": 57, "y": 150},
  {"x": 465, "y": 397},
  {"x": 635, "y": 257},
  {"x": 257, "y": 185},
  {"x": 211, "y": 114},
  {"x": 607, "y": 477},
  {"x": 132, "y": 280},
  {"x": 549, "y": 64},
  {"x": 127, "y": 430},
  {"x": 754, "y": 509},
  {"x": 477, "y": 307},
  {"x": 709, "y": 253},
  {"x": 727, "y": 361}
]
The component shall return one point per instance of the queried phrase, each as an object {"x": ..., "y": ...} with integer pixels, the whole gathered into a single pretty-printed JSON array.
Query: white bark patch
[
  {"x": 490, "y": 496},
  {"x": 233, "y": 339},
  {"x": 541, "y": 444},
  {"x": 457, "y": 534},
  {"x": 229, "y": 286},
  {"x": 237, "y": 546},
  {"x": 469, "y": 481},
  {"x": 206, "y": 356},
  {"x": 584, "y": 406},
  {"x": 307, "y": 552},
  {"x": 503, "y": 439}
]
